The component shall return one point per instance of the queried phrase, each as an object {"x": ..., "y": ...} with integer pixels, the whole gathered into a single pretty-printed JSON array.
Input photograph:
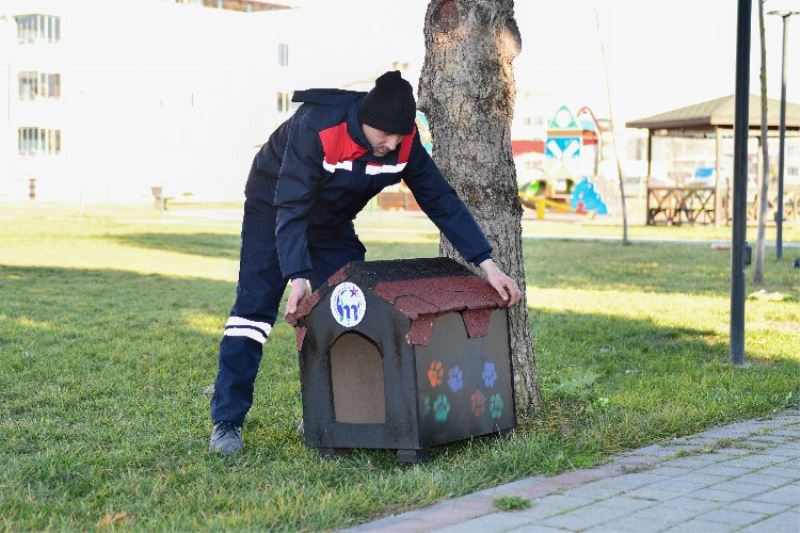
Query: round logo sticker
[{"x": 348, "y": 305}]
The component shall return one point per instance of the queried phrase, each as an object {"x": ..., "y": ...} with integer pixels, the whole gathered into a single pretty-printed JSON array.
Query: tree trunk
[
  {"x": 467, "y": 91},
  {"x": 758, "y": 271}
]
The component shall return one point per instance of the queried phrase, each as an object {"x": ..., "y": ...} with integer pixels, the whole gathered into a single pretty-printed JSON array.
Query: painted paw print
[
  {"x": 455, "y": 379},
  {"x": 436, "y": 374},
  {"x": 441, "y": 408},
  {"x": 489, "y": 374},
  {"x": 426, "y": 406},
  {"x": 478, "y": 401},
  {"x": 496, "y": 406}
]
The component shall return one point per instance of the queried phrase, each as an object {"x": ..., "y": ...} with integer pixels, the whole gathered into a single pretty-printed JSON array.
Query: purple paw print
[
  {"x": 455, "y": 379},
  {"x": 489, "y": 374}
]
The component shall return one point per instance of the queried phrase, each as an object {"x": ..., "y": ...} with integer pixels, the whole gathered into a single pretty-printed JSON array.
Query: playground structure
[
  {"x": 541, "y": 203},
  {"x": 568, "y": 161},
  {"x": 569, "y": 180}
]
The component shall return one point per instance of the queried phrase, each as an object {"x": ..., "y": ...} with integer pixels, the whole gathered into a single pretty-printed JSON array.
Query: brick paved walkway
[{"x": 740, "y": 477}]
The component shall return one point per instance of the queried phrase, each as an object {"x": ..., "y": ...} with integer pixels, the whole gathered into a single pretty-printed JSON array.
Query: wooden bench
[{"x": 678, "y": 205}]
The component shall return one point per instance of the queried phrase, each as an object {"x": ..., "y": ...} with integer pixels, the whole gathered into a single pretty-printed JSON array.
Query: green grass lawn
[{"x": 109, "y": 325}]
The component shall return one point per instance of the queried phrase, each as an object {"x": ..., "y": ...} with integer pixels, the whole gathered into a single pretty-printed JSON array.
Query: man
[{"x": 306, "y": 185}]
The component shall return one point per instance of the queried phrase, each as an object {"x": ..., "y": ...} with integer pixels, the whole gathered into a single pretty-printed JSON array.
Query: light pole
[
  {"x": 739, "y": 223},
  {"x": 781, "y": 161}
]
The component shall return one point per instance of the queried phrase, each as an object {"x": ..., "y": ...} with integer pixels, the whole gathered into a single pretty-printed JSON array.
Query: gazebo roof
[{"x": 719, "y": 113}]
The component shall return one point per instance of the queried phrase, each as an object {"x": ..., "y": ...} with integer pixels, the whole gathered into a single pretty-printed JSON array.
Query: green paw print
[
  {"x": 496, "y": 406},
  {"x": 426, "y": 406},
  {"x": 441, "y": 408}
]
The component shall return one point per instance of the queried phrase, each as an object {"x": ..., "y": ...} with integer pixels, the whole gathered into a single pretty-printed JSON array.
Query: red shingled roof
[
  {"x": 424, "y": 300},
  {"x": 420, "y": 289}
]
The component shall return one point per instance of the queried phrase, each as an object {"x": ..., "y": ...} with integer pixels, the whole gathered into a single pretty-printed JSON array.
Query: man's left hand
[
  {"x": 505, "y": 286},
  {"x": 300, "y": 289}
]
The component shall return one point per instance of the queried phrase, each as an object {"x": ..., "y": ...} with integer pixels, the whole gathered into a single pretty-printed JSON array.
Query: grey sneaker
[{"x": 226, "y": 438}]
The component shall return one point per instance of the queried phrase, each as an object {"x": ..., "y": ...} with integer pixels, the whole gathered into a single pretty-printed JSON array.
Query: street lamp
[
  {"x": 739, "y": 222},
  {"x": 781, "y": 161}
]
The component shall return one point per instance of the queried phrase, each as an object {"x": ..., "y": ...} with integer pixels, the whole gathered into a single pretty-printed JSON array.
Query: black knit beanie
[{"x": 390, "y": 105}]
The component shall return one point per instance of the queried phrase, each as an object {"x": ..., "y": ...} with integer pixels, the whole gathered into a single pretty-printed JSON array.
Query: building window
[
  {"x": 34, "y": 85},
  {"x": 793, "y": 171},
  {"x": 38, "y": 28},
  {"x": 52, "y": 85},
  {"x": 283, "y": 54},
  {"x": 533, "y": 121},
  {"x": 39, "y": 141},
  {"x": 28, "y": 85},
  {"x": 284, "y": 102}
]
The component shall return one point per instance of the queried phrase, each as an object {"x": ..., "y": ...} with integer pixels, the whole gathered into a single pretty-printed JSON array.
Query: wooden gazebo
[{"x": 711, "y": 119}]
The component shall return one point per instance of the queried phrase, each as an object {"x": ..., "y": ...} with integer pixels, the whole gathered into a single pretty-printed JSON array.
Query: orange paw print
[
  {"x": 478, "y": 401},
  {"x": 436, "y": 374}
]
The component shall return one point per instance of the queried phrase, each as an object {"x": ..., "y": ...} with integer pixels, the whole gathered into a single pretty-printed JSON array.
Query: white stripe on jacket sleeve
[
  {"x": 239, "y": 321},
  {"x": 246, "y": 332},
  {"x": 346, "y": 165},
  {"x": 373, "y": 170}
]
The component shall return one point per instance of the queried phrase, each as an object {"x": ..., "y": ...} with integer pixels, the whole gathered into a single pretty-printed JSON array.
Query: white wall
[
  {"x": 7, "y": 40},
  {"x": 152, "y": 93},
  {"x": 157, "y": 93}
]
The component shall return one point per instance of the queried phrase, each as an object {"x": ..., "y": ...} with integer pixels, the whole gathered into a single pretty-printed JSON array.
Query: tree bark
[
  {"x": 758, "y": 271},
  {"x": 467, "y": 92}
]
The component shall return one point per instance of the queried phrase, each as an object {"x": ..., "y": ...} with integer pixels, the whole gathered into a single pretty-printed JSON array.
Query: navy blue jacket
[{"x": 326, "y": 174}]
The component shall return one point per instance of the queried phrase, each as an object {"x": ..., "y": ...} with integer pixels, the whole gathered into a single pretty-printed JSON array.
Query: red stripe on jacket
[
  {"x": 338, "y": 146},
  {"x": 405, "y": 146}
]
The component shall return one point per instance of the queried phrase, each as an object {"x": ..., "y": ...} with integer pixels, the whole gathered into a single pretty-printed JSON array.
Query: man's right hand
[
  {"x": 505, "y": 286},
  {"x": 300, "y": 289}
]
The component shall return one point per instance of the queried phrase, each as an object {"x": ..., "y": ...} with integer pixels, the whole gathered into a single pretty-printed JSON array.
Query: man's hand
[
  {"x": 300, "y": 289},
  {"x": 504, "y": 285}
]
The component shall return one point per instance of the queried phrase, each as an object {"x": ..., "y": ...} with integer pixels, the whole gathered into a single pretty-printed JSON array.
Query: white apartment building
[{"x": 102, "y": 100}]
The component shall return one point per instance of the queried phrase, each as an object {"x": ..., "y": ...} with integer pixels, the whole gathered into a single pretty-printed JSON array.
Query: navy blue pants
[{"x": 259, "y": 292}]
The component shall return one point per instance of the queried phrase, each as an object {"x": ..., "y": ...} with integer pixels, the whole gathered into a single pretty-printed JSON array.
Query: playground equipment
[
  {"x": 540, "y": 203},
  {"x": 572, "y": 151},
  {"x": 582, "y": 200},
  {"x": 586, "y": 198}
]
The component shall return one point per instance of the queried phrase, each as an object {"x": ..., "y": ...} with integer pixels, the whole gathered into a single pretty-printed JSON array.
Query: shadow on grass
[
  {"x": 104, "y": 380},
  {"x": 217, "y": 245}
]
